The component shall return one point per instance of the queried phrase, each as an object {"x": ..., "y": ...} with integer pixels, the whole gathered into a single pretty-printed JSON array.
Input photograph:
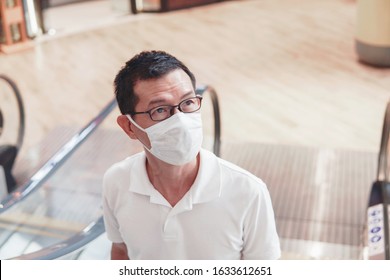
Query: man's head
[{"x": 146, "y": 65}]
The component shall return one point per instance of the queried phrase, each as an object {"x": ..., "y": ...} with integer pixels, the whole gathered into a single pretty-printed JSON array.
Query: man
[{"x": 176, "y": 200}]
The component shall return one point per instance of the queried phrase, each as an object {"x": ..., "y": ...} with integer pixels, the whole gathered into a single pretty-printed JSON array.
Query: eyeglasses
[{"x": 161, "y": 113}]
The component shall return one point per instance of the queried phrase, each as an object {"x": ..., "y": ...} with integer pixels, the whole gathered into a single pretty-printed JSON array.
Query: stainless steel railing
[{"x": 56, "y": 160}]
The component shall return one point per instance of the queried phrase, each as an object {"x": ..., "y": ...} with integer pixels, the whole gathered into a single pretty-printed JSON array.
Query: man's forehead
[{"x": 172, "y": 81}]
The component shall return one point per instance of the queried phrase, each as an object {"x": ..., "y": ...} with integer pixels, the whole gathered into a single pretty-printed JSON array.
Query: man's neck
[{"x": 173, "y": 182}]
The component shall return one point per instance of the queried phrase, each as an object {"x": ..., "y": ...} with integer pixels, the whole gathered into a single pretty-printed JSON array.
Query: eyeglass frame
[{"x": 171, "y": 110}]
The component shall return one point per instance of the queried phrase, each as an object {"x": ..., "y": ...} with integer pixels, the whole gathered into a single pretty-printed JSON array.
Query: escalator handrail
[
  {"x": 69, "y": 246},
  {"x": 379, "y": 194},
  {"x": 55, "y": 161},
  {"x": 383, "y": 174},
  {"x": 18, "y": 96},
  {"x": 95, "y": 229},
  {"x": 201, "y": 90},
  {"x": 384, "y": 180}
]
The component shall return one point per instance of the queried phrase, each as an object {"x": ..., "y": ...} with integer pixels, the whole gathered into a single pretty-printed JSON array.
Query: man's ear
[{"x": 125, "y": 124}]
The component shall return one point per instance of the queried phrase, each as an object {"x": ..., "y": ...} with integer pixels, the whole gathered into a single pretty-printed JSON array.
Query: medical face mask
[{"x": 176, "y": 140}]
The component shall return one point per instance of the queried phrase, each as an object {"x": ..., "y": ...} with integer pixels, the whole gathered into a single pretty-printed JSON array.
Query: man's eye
[
  {"x": 160, "y": 110},
  {"x": 189, "y": 102}
]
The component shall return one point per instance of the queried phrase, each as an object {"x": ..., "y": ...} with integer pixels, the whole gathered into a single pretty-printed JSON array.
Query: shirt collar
[
  {"x": 206, "y": 187},
  {"x": 139, "y": 181}
]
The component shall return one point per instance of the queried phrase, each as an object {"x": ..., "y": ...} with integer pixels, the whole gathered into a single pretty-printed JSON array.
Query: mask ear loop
[
  {"x": 133, "y": 122},
  {"x": 142, "y": 129}
]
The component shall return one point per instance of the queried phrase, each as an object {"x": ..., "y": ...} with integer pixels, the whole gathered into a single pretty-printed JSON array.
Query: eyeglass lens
[{"x": 186, "y": 106}]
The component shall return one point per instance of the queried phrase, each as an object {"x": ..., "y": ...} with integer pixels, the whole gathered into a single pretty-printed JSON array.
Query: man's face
[{"x": 170, "y": 89}]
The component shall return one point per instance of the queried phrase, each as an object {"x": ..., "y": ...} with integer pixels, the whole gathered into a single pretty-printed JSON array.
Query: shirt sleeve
[
  {"x": 110, "y": 221},
  {"x": 261, "y": 240}
]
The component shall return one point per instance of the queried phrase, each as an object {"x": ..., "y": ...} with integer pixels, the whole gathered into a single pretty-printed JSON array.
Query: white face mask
[{"x": 176, "y": 140}]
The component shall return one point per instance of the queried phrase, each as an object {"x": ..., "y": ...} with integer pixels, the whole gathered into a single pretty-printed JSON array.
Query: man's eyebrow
[{"x": 162, "y": 101}]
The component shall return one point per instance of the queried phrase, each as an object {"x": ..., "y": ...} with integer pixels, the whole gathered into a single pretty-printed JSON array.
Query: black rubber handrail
[
  {"x": 95, "y": 229},
  {"x": 380, "y": 191},
  {"x": 202, "y": 90},
  {"x": 383, "y": 171},
  {"x": 21, "y": 129},
  {"x": 55, "y": 161}
]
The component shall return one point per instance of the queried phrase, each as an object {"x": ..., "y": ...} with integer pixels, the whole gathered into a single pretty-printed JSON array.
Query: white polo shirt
[{"x": 227, "y": 214}]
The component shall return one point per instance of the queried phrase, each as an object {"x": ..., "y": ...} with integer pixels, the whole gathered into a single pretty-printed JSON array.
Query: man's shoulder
[
  {"x": 123, "y": 166},
  {"x": 237, "y": 172},
  {"x": 117, "y": 178},
  {"x": 234, "y": 175}
]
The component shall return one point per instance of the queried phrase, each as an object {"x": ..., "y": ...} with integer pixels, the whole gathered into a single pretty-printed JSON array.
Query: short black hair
[{"x": 144, "y": 66}]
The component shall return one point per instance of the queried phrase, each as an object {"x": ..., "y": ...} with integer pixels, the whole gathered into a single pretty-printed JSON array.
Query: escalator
[
  {"x": 378, "y": 212},
  {"x": 57, "y": 212}
]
